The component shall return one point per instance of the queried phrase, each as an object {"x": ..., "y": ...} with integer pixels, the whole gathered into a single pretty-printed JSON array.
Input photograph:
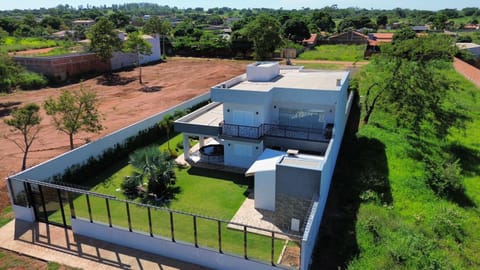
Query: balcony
[{"x": 280, "y": 131}]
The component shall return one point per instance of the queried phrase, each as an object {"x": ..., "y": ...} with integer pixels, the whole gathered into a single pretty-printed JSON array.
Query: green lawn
[
  {"x": 381, "y": 213},
  {"x": 201, "y": 191},
  {"x": 321, "y": 66},
  {"x": 334, "y": 53}
]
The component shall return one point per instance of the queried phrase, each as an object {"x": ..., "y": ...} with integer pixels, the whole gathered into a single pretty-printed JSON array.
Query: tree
[
  {"x": 136, "y": 44},
  {"x": 404, "y": 34},
  {"x": 264, "y": 32},
  {"x": 167, "y": 124},
  {"x": 382, "y": 20},
  {"x": 323, "y": 21},
  {"x": 406, "y": 81},
  {"x": 75, "y": 112},
  {"x": 152, "y": 165},
  {"x": 26, "y": 120},
  {"x": 296, "y": 29},
  {"x": 119, "y": 19},
  {"x": 51, "y": 21},
  {"x": 104, "y": 40},
  {"x": 157, "y": 26}
]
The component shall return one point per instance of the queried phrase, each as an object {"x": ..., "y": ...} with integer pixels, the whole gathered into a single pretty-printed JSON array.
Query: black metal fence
[{"x": 58, "y": 204}]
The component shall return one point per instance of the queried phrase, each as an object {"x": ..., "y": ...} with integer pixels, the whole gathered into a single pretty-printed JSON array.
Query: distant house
[
  {"x": 63, "y": 34},
  {"x": 471, "y": 27},
  {"x": 311, "y": 41},
  {"x": 84, "y": 23},
  {"x": 349, "y": 37},
  {"x": 421, "y": 28},
  {"x": 375, "y": 40},
  {"x": 471, "y": 47}
]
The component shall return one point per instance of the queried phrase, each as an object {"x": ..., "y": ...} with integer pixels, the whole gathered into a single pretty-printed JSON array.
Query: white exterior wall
[
  {"x": 232, "y": 156},
  {"x": 265, "y": 190},
  {"x": 121, "y": 60},
  {"x": 258, "y": 119},
  {"x": 57, "y": 165},
  {"x": 184, "y": 252},
  {"x": 331, "y": 155}
]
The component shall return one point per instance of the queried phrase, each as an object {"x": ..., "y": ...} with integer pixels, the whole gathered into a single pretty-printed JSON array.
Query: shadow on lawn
[
  {"x": 361, "y": 174},
  {"x": 236, "y": 178}
]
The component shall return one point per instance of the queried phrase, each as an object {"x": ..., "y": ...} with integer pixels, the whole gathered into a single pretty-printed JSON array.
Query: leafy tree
[
  {"x": 153, "y": 166},
  {"x": 51, "y": 21},
  {"x": 8, "y": 72},
  {"x": 75, "y": 112},
  {"x": 439, "y": 21},
  {"x": 157, "y": 26},
  {"x": 29, "y": 20},
  {"x": 26, "y": 120},
  {"x": 136, "y": 44},
  {"x": 382, "y": 20},
  {"x": 323, "y": 21},
  {"x": 296, "y": 29},
  {"x": 167, "y": 124},
  {"x": 264, "y": 32},
  {"x": 404, "y": 34},
  {"x": 240, "y": 42},
  {"x": 104, "y": 39},
  {"x": 405, "y": 80},
  {"x": 119, "y": 19}
]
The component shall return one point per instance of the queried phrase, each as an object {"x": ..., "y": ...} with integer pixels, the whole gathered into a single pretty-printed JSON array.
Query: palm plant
[{"x": 152, "y": 166}]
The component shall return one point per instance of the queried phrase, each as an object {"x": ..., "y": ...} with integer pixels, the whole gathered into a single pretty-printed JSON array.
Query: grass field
[
  {"x": 200, "y": 191},
  {"x": 13, "y": 44},
  {"x": 381, "y": 213},
  {"x": 321, "y": 66},
  {"x": 334, "y": 53}
]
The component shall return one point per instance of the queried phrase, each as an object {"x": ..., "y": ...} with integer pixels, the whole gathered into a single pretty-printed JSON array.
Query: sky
[{"x": 285, "y": 4}]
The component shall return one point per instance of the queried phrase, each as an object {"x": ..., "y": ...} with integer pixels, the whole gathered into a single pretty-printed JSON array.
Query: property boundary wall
[
  {"x": 315, "y": 219},
  {"x": 468, "y": 71},
  {"x": 80, "y": 155}
]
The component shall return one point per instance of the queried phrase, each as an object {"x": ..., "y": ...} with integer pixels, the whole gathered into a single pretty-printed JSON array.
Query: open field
[
  {"x": 381, "y": 213},
  {"x": 350, "y": 53}
]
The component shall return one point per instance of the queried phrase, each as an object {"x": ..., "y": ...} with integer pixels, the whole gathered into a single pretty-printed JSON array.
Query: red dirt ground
[{"x": 179, "y": 79}]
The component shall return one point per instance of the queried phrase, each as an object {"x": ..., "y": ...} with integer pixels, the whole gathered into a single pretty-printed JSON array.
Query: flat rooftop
[
  {"x": 303, "y": 161},
  {"x": 211, "y": 117},
  {"x": 297, "y": 79}
]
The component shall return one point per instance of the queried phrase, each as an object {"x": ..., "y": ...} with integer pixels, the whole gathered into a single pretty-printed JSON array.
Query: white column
[
  {"x": 201, "y": 141},
  {"x": 186, "y": 147}
]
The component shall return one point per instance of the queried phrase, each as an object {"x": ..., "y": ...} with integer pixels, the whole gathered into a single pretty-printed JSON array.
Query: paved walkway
[{"x": 52, "y": 243}]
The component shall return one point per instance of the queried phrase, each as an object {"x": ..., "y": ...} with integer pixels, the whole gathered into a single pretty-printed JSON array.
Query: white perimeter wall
[
  {"x": 180, "y": 251},
  {"x": 57, "y": 165},
  {"x": 265, "y": 190},
  {"x": 315, "y": 219}
]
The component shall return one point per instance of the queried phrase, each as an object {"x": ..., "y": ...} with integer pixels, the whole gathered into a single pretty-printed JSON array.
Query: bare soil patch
[{"x": 121, "y": 104}]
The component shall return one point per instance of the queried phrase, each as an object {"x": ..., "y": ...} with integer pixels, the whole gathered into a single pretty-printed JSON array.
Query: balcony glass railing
[{"x": 282, "y": 131}]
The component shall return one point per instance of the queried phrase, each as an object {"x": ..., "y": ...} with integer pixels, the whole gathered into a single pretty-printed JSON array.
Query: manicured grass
[
  {"x": 335, "y": 53},
  {"x": 6, "y": 216},
  {"x": 381, "y": 213},
  {"x": 200, "y": 191}
]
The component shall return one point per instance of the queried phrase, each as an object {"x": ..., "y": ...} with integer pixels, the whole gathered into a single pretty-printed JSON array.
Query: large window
[{"x": 307, "y": 118}]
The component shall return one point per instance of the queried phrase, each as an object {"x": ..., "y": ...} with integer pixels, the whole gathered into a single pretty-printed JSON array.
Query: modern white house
[
  {"x": 275, "y": 123},
  {"x": 282, "y": 125}
]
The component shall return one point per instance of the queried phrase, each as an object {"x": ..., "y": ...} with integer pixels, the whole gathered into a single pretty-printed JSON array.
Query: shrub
[
  {"x": 449, "y": 222},
  {"x": 30, "y": 80},
  {"x": 444, "y": 177}
]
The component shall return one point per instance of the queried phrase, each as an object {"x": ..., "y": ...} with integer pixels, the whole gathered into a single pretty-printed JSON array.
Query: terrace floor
[{"x": 278, "y": 220}]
